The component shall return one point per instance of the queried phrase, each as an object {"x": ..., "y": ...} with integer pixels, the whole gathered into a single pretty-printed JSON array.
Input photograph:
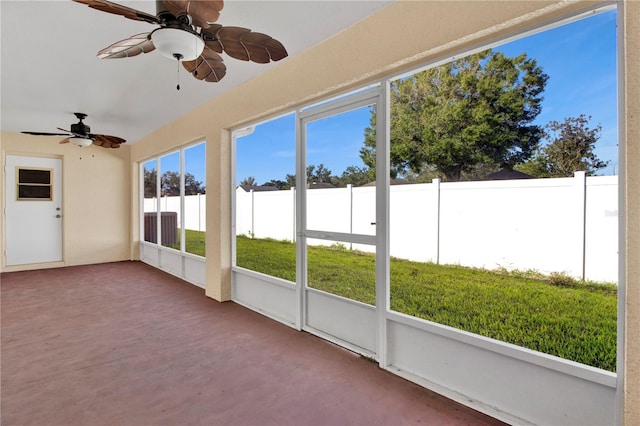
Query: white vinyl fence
[
  {"x": 194, "y": 209},
  {"x": 566, "y": 225}
]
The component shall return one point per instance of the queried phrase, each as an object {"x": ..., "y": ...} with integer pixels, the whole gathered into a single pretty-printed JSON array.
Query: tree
[
  {"x": 474, "y": 110},
  {"x": 571, "y": 145},
  {"x": 193, "y": 186},
  {"x": 170, "y": 184},
  {"x": 291, "y": 181},
  {"x": 280, "y": 184},
  {"x": 356, "y": 176},
  {"x": 569, "y": 148},
  {"x": 318, "y": 174},
  {"x": 250, "y": 181},
  {"x": 150, "y": 182}
]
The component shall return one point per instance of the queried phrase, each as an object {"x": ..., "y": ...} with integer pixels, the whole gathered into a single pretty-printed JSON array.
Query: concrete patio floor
[{"x": 125, "y": 344}]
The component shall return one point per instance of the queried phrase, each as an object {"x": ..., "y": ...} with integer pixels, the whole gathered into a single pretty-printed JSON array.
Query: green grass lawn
[
  {"x": 194, "y": 242},
  {"x": 550, "y": 314}
]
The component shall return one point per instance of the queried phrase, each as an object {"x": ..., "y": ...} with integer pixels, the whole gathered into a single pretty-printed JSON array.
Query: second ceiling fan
[{"x": 188, "y": 33}]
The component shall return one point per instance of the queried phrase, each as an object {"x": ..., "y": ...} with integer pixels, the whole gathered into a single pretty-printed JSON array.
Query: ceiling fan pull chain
[{"x": 178, "y": 57}]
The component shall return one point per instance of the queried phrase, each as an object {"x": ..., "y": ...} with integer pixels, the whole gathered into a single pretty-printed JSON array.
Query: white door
[{"x": 33, "y": 210}]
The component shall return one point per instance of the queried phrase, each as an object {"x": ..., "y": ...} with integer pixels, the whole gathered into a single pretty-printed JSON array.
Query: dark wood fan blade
[
  {"x": 132, "y": 46},
  {"x": 203, "y": 13},
  {"x": 255, "y": 43},
  {"x": 117, "y": 9},
  {"x": 208, "y": 66},
  {"x": 175, "y": 7},
  {"x": 107, "y": 141},
  {"x": 67, "y": 140},
  {"x": 243, "y": 44},
  {"x": 46, "y": 133},
  {"x": 276, "y": 49},
  {"x": 229, "y": 38}
]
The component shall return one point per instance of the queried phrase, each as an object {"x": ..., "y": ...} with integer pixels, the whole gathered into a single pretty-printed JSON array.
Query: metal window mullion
[
  {"x": 341, "y": 237},
  {"x": 183, "y": 232},
  {"x": 158, "y": 204},
  {"x": 232, "y": 188},
  {"x": 141, "y": 169},
  {"x": 341, "y": 106},
  {"x": 301, "y": 220},
  {"x": 334, "y": 106},
  {"x": 382, "y": 219}
]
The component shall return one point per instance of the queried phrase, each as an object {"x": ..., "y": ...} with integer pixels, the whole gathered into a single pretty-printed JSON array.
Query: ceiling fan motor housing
[{"x": 80, "y": 129}]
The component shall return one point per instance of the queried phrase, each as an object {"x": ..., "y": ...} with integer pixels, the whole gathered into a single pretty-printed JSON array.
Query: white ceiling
[{"x": 50, "y": 70}]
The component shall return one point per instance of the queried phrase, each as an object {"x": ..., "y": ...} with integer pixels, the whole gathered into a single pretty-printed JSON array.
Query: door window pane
[
  {"x": 42, "y": 177},
  {"x": 339, "y": 170},
  {"x": 34, "y": 184}
]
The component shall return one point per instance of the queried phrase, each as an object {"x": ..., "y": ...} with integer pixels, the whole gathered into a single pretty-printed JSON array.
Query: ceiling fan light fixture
[
  {"x": 81, "y": 142},
  {"x": 177, "y": 44}
]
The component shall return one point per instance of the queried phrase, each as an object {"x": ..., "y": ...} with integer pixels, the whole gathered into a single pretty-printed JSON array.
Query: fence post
[
  {"x": 199, "y": 214},
  {"x": 350, "y": 189},
  {"x": 253, "y": 231},
  {"x": 293, "y": 198},
  {"x": 436, "y": 189},
  {"x": 580, "y": 181}
]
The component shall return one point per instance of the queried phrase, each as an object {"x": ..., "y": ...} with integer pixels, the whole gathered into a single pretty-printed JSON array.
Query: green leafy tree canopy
[
  {"x": 170, "y": 184},
  {"x": 474, "y": 110},
  {"x": 569, "y": 148}
]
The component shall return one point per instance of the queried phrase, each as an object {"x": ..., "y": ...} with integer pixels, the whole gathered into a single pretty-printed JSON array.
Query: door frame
[{"x": 376, "y": 95}]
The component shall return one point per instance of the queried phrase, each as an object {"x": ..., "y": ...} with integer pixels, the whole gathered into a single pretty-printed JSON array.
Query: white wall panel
[
  {"x": 345, "y": 319},
  {"x": 539, "y": 388},
  {"x": 194, "y": 271},
  {"x": 270, "y": 296},
  {"x": 186, "y": 266}
]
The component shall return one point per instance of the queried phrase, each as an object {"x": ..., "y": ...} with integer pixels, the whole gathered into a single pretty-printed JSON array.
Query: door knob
[{"x": 58, "y": 216}]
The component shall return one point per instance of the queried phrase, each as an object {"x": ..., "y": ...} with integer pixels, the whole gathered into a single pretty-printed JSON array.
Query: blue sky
[{"x": 580, "y": 59}]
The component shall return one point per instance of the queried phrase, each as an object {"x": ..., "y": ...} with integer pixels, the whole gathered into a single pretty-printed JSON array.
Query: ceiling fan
[
  {"x": 187, "y": 33},
  {"x": 80, "y": 135}
]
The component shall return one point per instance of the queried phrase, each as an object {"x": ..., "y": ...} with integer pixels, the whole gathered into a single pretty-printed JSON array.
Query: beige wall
[{"x": 96, "y": 198}]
